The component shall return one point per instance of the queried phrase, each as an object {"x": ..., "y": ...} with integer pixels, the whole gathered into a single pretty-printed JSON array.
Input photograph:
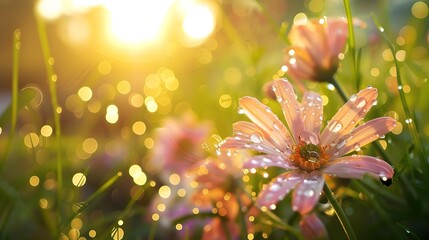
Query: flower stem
[
  {"x": 339, "y": 212},
  {"x": 339, "y": 89}
]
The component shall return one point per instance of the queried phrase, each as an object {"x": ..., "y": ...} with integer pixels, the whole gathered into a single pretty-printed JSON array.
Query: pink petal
[
  {"x": 311, "y": 36},
  {"x": 348, "y": 116},
  {"x": 239, "y": 142},
  {"x": 357, "y": 166},
  {"x": 307, "y": 192},
  {"x": 312, "y": 113},
  {"x": 278, "y": 188},
  {"x": 300, "y": 64},
  {"x": 264, "y": 161},
  {"x": 251, "y": 133},
  {"x": 267, "y": 121},
  {"x": 290, "y": 106},
  {"x": 312, "y": 227},
  {"x": 309, "y": 137},
  {"x": 336, "y": 33},
  {"x": 364, "y": 134}
]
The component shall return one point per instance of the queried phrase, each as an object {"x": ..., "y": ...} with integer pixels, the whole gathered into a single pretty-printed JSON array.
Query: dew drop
[
  {"x": 360, "y": 103},
  {"x": 385, "y": 181},
  {"x": 240, "y": 110},
  {"x": 356, "y": 147},
  {"x": 408, "y": 120},
  {"x": 400, "y": 87},
  {"x": 273, "y": 206},
  {"x": 276, "y": 126},
  {"x": 275, "y": 187},
  {"x": 342, "y": 143},
  {"x": 335, "y": 126},
  {"x": 228, "y": 153},
  {"x": 353, "y": 97},
  {"x": 256, "y": 138},
  {"x": 274, "y": 88},
  {"x": 279, "y": 99},
  {"x": 374, "y": 102},
  {"x": 308, "y": 193},
  {"x": 218, "y": 152}
]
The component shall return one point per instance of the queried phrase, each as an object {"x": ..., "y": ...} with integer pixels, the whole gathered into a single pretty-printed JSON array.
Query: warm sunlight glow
[
  {"x": 136, "y": 22},
  {"x": 199, "y": 22}
]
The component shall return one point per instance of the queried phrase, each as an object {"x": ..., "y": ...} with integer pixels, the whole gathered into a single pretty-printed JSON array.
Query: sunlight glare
[
  {"x": 136, "y": 22},
  {"x": 199, "y": 21}
]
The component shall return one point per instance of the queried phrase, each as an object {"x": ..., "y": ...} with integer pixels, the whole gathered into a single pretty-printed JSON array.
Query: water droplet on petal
[
  {"x": 274, "y": 88},
  {"x": 275, "y": 187},
  {"x": 276, "y": 126},
  {"x": 353, "y": 97},
  {"x": 335, "y": 126},
  {"x": 360, "y": 103},
  {"x": 385, "y": 180},
  {"x": 256, "y": 138},
  {"x": 240, "y": 110},
  {"x": 308, "y": 193}
]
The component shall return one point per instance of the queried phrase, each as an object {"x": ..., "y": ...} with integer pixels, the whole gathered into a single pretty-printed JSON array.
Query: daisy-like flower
[
  {"x": 315, "y": 45},
  {"x": 178, "y": 144},
  {"x": 305, "y": 152}
]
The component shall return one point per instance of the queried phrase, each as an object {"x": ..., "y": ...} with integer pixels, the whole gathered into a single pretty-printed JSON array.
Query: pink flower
[
  {"x": 219, "y": 189},
  {"x": 313, "y": 228},
  {"x": 315, "y": 45},
  {"x": 305, "y": 152},
  {"x": 178, "y": 144}
]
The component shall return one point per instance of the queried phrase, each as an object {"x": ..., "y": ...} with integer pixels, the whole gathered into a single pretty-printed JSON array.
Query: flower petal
[
  {"x": 336, "y": 33},
  {"x": 307, "y": 192},
  {"x": 290, "y": 106},
  {"x": 278, "y": 188},
  {"x": 248, "y": 136},
  {"x": 267, "y": 121},
  {"x": 263, "y": 161},
  {"x": 364, "y": 134},
  {"x": 348, "y": 116},
  {"x": 300, "y": 65},
  {"x": 357, "y": 166},
  {"x": 312, "y": 113},
  {"x": 312, "y": 227},
  {"x": 311, "y": 36}
]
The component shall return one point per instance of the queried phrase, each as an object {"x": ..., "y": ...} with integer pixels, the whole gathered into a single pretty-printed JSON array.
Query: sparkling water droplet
[
  {"x": 360, "y": 102},
  {"x": 374, "y": 102},
  {"x": 273, "y": 206},
  {"x": 240, "y": 110},
  {"x": 266, "y": 160},
  {"x": 353, "y": 97},
  {"x": 385, "y": 180},
  {"x": 256, "y": 137},
  {"x": 335, "y": 126},
  {"x": 341, "y": 143},
  {"x": 228, "y": 153},
  {"x": 275, "y": 187},
  {"x": 279, "y": 99},
  {"x": 276, "y": 126},
  {"x": 218, "y": 152},
  {"x": 408, "y": 120},
  {"x": 400, "y": 87},
  {"x": 309, "y": 193},
  {"x": 274, "y": 88},
  {"x": 356, "y": 147}
]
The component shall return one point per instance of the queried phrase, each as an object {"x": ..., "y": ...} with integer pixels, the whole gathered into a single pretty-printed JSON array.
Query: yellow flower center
[{"x": 309, "y": 157}]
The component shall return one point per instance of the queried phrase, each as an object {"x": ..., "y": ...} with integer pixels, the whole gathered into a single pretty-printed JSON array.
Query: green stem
[
  {"x": 339, "y": 212},
  {"x": 339, "y": 89},
  {"x": 52, "y": 78},
  {"x": 351, "y": 39},
  {"x": 408, "y": 116}
]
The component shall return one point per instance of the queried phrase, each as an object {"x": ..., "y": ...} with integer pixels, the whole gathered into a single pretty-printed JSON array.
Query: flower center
[{"x": 309, "y": 157}]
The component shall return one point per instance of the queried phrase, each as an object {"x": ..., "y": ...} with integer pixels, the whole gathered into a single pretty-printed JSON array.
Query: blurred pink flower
[
  {"x": 302, "y": 150},
  {"x": 312, "y": 227},
  {"x": 315, "y": 45},
  {"x": 178, "y": 144},
  {"x": 219, "y": 188}
]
